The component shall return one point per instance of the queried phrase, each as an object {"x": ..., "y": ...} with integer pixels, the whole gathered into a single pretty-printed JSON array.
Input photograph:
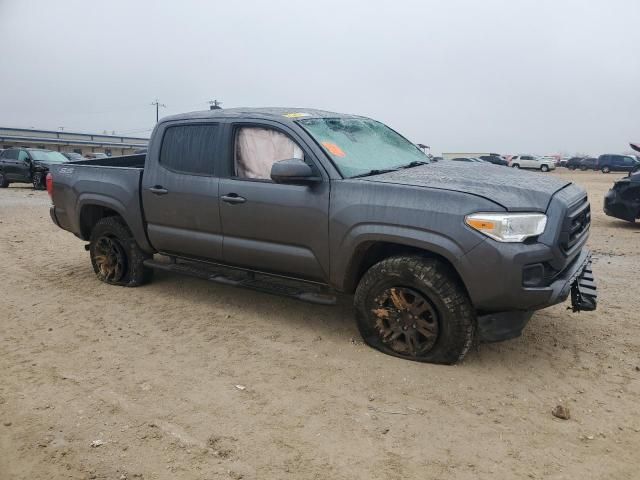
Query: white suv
[{"x": 532, "y": 161}]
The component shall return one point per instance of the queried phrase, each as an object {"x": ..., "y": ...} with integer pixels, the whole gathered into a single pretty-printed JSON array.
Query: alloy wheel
[{"x": 406, "y": 321}]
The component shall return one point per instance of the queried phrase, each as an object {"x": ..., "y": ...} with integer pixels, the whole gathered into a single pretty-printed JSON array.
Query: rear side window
[
  {"x": 10, "y": 155},
  {"x": 189, "y": 149}
]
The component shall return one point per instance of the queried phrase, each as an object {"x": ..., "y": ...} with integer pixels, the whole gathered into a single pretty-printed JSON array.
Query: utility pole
[
  {"x": 214, "y": 105},
  {"x": 158, "y": 105}
]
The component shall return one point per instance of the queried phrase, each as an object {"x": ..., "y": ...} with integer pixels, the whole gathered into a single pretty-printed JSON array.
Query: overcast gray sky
[{"x": 492, "y": 75}]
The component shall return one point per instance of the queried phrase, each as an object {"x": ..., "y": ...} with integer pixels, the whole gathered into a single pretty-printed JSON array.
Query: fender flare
[
  {"x": 354, "y": 246},
  {"x": 96, "y": 199}
]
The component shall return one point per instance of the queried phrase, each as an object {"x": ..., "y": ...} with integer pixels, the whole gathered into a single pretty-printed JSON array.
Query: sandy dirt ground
[{"x": 183, "y": 379}]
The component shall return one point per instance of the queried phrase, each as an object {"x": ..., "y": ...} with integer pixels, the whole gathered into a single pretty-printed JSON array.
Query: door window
[
  {"x": 23, "y": 156},
  {"x": 189, "y": 149},
  {"x": 257, "y": 149}
]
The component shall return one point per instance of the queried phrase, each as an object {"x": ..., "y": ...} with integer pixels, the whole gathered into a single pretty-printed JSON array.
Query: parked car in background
[
  {"x": 96, "y": 155},
  {"x": 73, "y": 156},
  {"x": 27, "y": 165},
  {"x": 341, "y": 204},
  {"x": 623, "y": 200},
  {"x": 617, "y": 163},
  {"x": 468, "y": 159},
  {"x": 589, "y": 163},
  {"x": 532, "y": 162},
  {"x": 574, "y": 163},
  {"x": 495, "y": 159}
]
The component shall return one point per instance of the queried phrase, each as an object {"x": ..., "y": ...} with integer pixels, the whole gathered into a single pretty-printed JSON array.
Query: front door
[
  {"x": 267, "y": 226},
  {"x": 23, "y": 167},
  {"x": 180, "y": 191}
]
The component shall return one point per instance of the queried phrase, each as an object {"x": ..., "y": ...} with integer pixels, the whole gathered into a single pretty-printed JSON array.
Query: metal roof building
[{"x": 62, "y": 141}]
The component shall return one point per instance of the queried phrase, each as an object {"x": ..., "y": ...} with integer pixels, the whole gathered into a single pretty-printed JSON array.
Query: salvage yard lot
[{"x": 191, "y": 380}]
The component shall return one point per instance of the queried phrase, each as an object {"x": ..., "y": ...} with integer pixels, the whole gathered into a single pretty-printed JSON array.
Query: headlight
[{"x": 508, "y": 227}]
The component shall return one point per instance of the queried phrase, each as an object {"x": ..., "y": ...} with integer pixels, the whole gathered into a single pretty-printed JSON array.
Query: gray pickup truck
[{"x": 313, "y": 204}]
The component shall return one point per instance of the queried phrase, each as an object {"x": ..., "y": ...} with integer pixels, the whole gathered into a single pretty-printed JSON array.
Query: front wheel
[
  {"x": 606, "y": 169},
  {"x": 115, "y": 256},
  {"x": 39, "y": 181},
  {"x": 515, "y": 165},
  {"x": 415, "y": 308},
  {"x": 544, "y": 168}
]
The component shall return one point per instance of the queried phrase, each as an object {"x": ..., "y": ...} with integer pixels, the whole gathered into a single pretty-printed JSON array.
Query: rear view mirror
[{"x": 293, "y": 172}]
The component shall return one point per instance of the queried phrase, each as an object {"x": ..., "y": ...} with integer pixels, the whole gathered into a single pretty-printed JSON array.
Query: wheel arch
[
  {"x": 370, "y": 252},
  {"x": 91, "y": 214}
]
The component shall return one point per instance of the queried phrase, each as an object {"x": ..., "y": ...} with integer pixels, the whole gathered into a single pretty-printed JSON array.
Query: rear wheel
[
  {"x": 415, "y": 308},
  {"x": 606, "y": 169},
  {"x": 115, "y": 256},
  {"x": 4, "y": 183}
]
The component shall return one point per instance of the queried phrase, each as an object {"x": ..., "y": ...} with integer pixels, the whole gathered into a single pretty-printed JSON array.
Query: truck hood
[{"x": 513, "y": 189}]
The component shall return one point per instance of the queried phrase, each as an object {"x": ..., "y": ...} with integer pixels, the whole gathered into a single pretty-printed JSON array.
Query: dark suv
[
  {"x": 495, "y": 159},
  {"x": 573, "y": 163},
  {"x": 589, "y": 163},
  {"x": 27, "y": 165},
  {"x": 617, "y": 163}
]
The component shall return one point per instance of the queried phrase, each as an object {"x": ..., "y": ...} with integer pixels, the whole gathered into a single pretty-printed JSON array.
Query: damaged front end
[{"x": 623, "y": 200}]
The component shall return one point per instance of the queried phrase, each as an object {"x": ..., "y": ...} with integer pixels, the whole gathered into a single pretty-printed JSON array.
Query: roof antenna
[{"x": 214, "y": 105}]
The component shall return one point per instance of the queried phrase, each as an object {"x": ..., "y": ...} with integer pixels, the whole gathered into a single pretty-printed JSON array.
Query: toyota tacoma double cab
[{"x": 313, "y": 204}]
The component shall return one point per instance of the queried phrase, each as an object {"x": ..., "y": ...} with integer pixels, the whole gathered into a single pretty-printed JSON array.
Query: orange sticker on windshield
[{"x": 334, "y": 149}]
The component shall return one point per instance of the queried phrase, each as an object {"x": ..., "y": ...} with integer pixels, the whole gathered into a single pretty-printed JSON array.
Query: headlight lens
[{"x": 508, "y": 227}]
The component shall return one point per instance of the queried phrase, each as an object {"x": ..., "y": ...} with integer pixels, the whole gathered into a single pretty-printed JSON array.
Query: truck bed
[
  {"x": 107, "y": 183},
  {"x": 134, "y": 161}
]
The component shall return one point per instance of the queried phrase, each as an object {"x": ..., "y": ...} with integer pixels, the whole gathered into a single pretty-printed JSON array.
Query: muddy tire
[
  {"x": 115, "y": 256},
  {"x": 4, "y": 183},
  {"x": 415, "y": 308},
  {"x": 39, "y": 182}
]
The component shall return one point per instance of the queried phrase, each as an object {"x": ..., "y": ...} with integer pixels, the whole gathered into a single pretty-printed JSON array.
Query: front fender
[{"x": 349, "y": 255}]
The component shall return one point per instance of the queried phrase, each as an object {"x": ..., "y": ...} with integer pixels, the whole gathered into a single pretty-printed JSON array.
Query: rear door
[
  {"x": 180, "y": 190},
  {"x": 9, "y": 163},
  {"x": 267, "y": 226}
]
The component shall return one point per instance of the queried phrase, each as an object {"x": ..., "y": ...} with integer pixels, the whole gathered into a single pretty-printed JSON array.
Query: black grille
[{"x": 576, "y": 224}]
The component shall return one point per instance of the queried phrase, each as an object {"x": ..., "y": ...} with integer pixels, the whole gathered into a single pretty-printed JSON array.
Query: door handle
[
  {"x": 158, "y": 190},
  {"x": 233, "y": 198}
]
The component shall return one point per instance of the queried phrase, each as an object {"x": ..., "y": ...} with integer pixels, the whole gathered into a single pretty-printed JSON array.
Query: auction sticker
[{"x": 297, "y": 115}]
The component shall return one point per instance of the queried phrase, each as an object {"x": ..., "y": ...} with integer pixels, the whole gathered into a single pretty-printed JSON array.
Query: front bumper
[
  {"x": 614, "y": 206},
  {"x": 577, "y": 281}
]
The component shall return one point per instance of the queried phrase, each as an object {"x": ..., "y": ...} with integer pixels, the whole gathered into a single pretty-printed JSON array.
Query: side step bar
[{"x": 288, "y": 288}]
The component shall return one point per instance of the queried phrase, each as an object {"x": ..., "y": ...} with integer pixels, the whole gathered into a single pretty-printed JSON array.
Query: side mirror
[{"x": 293, "y": 172}]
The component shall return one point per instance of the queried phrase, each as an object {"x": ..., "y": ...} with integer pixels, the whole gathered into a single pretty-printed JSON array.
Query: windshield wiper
[
  {"x": 415, "y": 163},
  {"x": 375, "y": 171}
]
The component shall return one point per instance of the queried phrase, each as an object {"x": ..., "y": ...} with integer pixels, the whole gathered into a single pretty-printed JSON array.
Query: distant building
[{"x": 62, "y": 141}]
